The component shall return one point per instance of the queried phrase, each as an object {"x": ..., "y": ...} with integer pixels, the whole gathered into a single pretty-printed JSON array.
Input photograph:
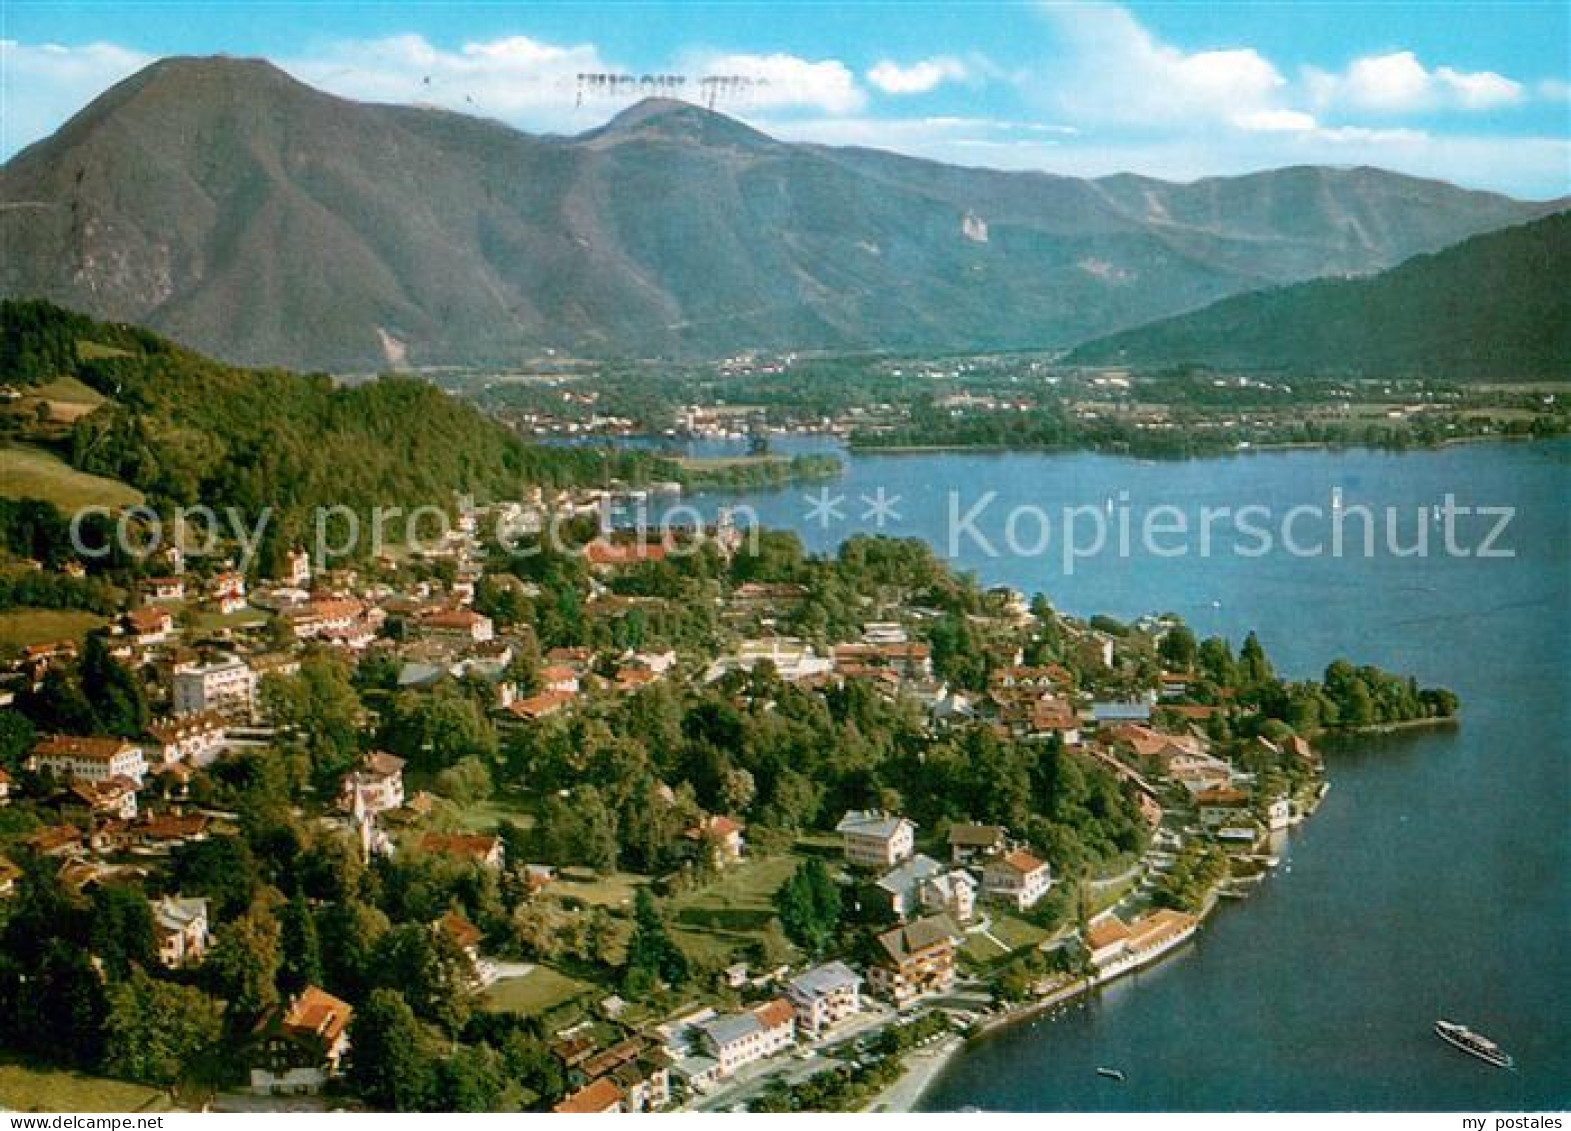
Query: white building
[
  {"x": 226, "y": 686},
  {"x": 181, "y": 927},
  {"x": 297, "y": 569},
  {"x": 196, "y": 739},
  {"x": 741, "y": 1038},
  {"x": 90, "y": 759},
  {"x": 1017, "y": 878},
  {"x": 792, "y": 658},
  {"x": 163, "y": 589},
  {"x": 824, "y": 996},
  {"x": 902, "y": 884},
  {"x": 952, "y": 894},
  {"x": 379, "y": 784},
  {"x": 228, "y": 591},
  {"x": 875, "y": 839}
]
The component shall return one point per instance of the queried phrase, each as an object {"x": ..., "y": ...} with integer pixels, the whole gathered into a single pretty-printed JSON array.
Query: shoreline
[
  {"x": 918, "y": 1071},
  {"x": 856, "y": 449},
  {"x": 1335, "y": 735},
  {"x": 916, "y": 1079}
]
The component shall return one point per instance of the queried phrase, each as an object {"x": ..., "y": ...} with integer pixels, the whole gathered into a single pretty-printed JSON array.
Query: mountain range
[
  {"x": 1486, "y": 309},
  {"x": 222, "y": 202}
]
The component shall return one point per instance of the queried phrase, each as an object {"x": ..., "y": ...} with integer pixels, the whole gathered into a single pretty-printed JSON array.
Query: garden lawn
[
  {"x": 614, "y": 891},
  {"x": 1015, "y": 932},
  {"x": 55, "y": 1089},
  {"x": 718, "y": 920},
  {"x": 487, "y": 816},
  {"x": 537, "y": 991}
]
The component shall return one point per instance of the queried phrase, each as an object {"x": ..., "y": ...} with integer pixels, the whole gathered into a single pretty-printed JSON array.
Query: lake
[{"x": 1435, "y": 879}]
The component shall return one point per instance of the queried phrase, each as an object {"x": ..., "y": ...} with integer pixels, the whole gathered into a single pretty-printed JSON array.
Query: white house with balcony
[{"x": 873, "y": 838}]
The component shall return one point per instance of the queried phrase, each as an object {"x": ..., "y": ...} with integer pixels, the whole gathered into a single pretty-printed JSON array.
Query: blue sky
[{"x": 1473, "y": 93}]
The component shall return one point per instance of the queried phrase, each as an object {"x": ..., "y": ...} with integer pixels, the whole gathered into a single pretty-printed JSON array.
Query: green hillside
[
  {"x": 183, "y": 429},
  {"x": 1493, "y": 308}
]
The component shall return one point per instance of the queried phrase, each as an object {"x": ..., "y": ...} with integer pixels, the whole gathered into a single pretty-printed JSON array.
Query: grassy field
[
  {"x": 980, "y": 950},
  {"x": 68, "y": 390},
  {"x": 21, "y": 627},
  {"x": 728, "y": 915},
  {"x": 537, "y": 991},
  {"x": 35, "y": 1089},
  {"x": 209, "y": 620},
  {"x": 1016, "y": 932},
  {"x": 88, "y": 350},
  {"x": 34, "y": 473},
  {"x": 67, "y": 399},
  {"x": 486, "y": 816},
  {"x": 615, "y": 890}
]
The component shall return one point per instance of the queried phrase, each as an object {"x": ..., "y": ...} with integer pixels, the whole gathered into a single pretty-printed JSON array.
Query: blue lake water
[{"x": 1436, "y": 878}]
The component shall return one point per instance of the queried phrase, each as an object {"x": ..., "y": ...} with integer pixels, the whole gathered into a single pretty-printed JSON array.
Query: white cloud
[
  {"x": 517, "y": 79},
  {"x": 1398, "y": 83},
  {"x": 526, "y": 82},
  {"x": 1554, "y": 90},
  {"x": 918, "y": 78},
  {"x": 45, "y": 83},
  {"x": 783, "y": 81},
  {"x": 1113, "y": 70},
  {"x": 535, "y": 85},
  {"x": 1479, "y": 90},
  {"x": 1275, "y": 121}
]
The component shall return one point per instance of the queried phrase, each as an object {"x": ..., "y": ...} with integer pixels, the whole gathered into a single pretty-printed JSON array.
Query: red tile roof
[
  {"x": 453, "y": 618},
  {"x": 1221, "y": 795},
  {"x": 1105, "y": 932},
  {"x": 602, "y": 1095},
  {"x": 471, "y": 845},
  {"x": 383, "y": 764},
  {"x": 773, "y": 1014},
  {"x": 148, "y": 620},
  {"x": 1022, "y": 862},
  {"x": 316, "y": 1012},
  {"x": 539, "y": 706},
  {"x": 460, "y": 930},
  {"x": 172, "y": 826},
  {"x": 601, "y": 552},
  {"x": 73, "y": 746}
]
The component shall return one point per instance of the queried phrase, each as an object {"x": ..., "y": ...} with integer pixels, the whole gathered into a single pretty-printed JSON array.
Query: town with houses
[{"x": 957, "y": 926}]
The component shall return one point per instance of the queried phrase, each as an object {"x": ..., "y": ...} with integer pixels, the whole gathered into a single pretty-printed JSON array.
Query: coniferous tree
[
  {"x": 390, "y": 1064},
  {"x": 300, "y": 950}
]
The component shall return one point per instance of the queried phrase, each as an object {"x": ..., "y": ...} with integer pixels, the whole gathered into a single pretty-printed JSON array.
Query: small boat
[
  {"x": 1111, "y": 1074},
  {"x": 1474, "y": 1044}
]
